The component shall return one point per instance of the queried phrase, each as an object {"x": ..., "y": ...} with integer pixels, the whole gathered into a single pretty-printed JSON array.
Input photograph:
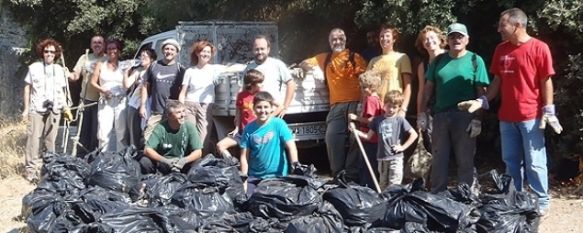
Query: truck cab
[{"x": 307, "y": 112}]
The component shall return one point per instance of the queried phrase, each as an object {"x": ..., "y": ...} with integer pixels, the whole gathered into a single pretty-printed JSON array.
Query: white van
[{"x": 307, "y": 113}]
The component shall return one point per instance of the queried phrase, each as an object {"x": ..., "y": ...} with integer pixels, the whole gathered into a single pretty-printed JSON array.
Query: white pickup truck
[{"x": 306, "y": 114}]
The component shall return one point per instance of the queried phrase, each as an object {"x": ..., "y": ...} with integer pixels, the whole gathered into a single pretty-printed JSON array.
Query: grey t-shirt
[
  {"x": 165, "y": 82},
  {"x": 391, "y": 131}
]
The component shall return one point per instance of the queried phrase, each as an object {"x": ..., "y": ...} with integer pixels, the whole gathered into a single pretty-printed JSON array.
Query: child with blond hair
[
  {"x": 372, "y": 106},
  {"x": 395, "y": 135}
]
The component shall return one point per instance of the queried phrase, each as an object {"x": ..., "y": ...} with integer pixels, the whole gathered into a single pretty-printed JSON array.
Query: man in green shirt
[
  {"x": 455, "y": 76},
  {"x": 173, "y": 145}
]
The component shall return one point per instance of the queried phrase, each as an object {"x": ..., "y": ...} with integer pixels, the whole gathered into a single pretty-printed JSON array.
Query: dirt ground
[{"x": 565, "y": 214}]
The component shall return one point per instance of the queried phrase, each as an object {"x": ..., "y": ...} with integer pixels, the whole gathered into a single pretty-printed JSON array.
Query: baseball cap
[
  {"x": 171, "y": 42},
  {"x": 457, "y": 27}
]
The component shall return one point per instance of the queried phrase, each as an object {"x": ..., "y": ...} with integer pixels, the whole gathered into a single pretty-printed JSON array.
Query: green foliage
[
  {"x": 409, "y": 16},
  {"x": 568, "y": 98}
]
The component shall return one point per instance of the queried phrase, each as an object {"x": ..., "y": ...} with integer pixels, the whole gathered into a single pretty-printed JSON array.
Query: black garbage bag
[
  {"x": 304, "y": 170},
  {"x": 93, "y": 227},
  {"x": 358, "y": 205},
  {"x": 115, "y": 171},
  {"x": 135, "y": 219},
  {"x": 157, "y": 190},
  {"x": 37, "y": 197},
  {"x": 237, "y": 222},
  {"x": 285, "y": 198},
  {"x": 325, "y": 219},
  {"x": 101, "y": 201},
  {"x": 44, "y": 213},
  {"x": 182, "y": 220},
  {"x": 204, "y": 201},
  {"x": 63, "y": 174},
  {"x": 462, "y": 193},
  {"x": 220, "y": 173},
  {"x": 435, "y": 212},
  {"x": 505, "y": 209}
]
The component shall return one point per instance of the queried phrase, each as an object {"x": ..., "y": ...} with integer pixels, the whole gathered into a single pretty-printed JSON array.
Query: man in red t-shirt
[{"x": 523, "y": 67}]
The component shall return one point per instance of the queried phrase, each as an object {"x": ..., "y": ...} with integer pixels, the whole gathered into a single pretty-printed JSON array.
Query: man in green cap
[{"x": 455, "y": 76}]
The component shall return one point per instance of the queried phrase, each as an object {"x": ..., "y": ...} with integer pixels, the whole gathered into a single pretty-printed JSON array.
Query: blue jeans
[
  {"x": 449, "y": 132},
  {"x": 525, "y": 156}
]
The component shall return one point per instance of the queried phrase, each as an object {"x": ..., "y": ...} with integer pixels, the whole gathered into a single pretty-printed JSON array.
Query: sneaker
[{"x": 543, "y": 212}]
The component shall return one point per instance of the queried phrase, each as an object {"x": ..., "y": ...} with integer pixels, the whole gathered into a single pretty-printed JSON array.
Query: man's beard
[{"x": 260, "y": 61}]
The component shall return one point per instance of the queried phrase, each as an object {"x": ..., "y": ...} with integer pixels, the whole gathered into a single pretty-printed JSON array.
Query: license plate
[{"x": 309, "y": 131}]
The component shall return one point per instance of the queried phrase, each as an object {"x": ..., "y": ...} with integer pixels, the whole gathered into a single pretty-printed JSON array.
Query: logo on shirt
[
  {"x": 262, "y": 140},
  {"x": 507, "y": 62},
  {"x": 165, "y": 77}
]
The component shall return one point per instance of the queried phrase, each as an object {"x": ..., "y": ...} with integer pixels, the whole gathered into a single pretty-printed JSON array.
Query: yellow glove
[{"x": 67, "y": 115}]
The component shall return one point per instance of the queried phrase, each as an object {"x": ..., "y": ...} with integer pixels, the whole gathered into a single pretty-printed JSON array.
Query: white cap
[{"x": 171, "y": 42}]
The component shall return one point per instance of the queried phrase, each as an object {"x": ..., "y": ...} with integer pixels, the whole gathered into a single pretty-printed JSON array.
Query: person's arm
[
  {"x": 153, "y": 154},
  {"x": 406, "y": 93},
  {"x": 244, "y": 161},
  {"x": 95, "y": 80},
  {"x": 420, "y": 85},
  {"x": 547, "y": 91},
  {"x": 144, "y": 99},
  {"x": 182, "y": 94},
  {"x": 26, "y": 99},
  {"x": 292, "y": 151},
  {"x": 194, "y": 155},
  {"x": 289, "y": 95},
  {"x": 412, "y": 136},
  {"x": 493, "y": 88},
  {"x": 427, "y": 93},
  {"x": 367, "y": 136},
  {"x": 130, "y": 79}
]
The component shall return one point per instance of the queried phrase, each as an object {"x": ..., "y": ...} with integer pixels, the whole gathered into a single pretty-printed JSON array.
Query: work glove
[
  {"x": 67, "y": 115},
  {"x": 473, "y": 105},
  {"x": 474, "y": 128},
  {"x": 422, "y": 121},
  {"x": 550, "y": 118},
  {"x": 169, "y": 162},
  {"x": 180, "y": 163}
]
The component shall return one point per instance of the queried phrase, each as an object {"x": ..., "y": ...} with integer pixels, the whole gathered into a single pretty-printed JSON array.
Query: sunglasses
[{"x": 50, "y": 51}]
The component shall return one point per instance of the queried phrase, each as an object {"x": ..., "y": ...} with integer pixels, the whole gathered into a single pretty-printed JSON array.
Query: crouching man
[{"x": 173, "y": 145}]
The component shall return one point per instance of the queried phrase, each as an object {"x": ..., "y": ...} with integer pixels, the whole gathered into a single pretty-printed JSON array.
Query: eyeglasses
[{"x": 50, "y": 51}]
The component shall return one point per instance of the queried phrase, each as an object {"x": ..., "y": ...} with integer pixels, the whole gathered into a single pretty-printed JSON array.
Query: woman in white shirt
[
  {"x": 133, "y": 81},
  {"x": 198, "y": 88},
  {"x": 108, "y": 80}
]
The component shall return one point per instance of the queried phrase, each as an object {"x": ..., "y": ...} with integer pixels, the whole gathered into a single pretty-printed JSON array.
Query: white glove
[
  {"x": 422, "y": 121},
  {"x": 474, "y": 128},
  {"x": 550, "y": 118},
  {"x": 473, "y": 105}
]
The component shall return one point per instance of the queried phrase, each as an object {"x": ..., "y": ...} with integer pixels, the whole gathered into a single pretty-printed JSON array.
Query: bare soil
[{"x": 565, "y": 214}]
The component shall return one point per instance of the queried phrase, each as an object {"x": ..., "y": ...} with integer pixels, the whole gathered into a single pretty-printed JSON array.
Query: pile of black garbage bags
[{"x": 105, "y": 192}]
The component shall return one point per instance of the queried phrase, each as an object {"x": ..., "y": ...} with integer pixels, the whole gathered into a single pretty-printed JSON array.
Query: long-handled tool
[
  {"x": 365, "y": 157},
  {"x": 66, "y": 110}
]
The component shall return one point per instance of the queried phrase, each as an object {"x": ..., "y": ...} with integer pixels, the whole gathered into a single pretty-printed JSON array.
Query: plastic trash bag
[
  {"x": 205, "y": 202},
  {"x": 137, "y": 220},
  {"x": 156, "y": 190},
  {"x": 358, "y": 205},
  {"x": 115, "y": 171},
  {"x": 63, "y": 174},
  {"x": 284, "y": 198},
  {"x": 325, "y": 219},
  {"x": 504, "y": 209},
  {"x": 220, "y": 173},
  {"x": 102, "y": 201},
  {"x": 44, "y": 212}
]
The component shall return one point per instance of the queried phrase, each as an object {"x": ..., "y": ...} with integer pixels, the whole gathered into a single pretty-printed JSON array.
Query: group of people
[
  {"x": 173, "y": 104},
  {"x": 453, "y": 86}
]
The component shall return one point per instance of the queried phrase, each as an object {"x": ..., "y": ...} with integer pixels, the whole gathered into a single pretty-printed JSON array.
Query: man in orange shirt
[{"x": 341, "y": 69}]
